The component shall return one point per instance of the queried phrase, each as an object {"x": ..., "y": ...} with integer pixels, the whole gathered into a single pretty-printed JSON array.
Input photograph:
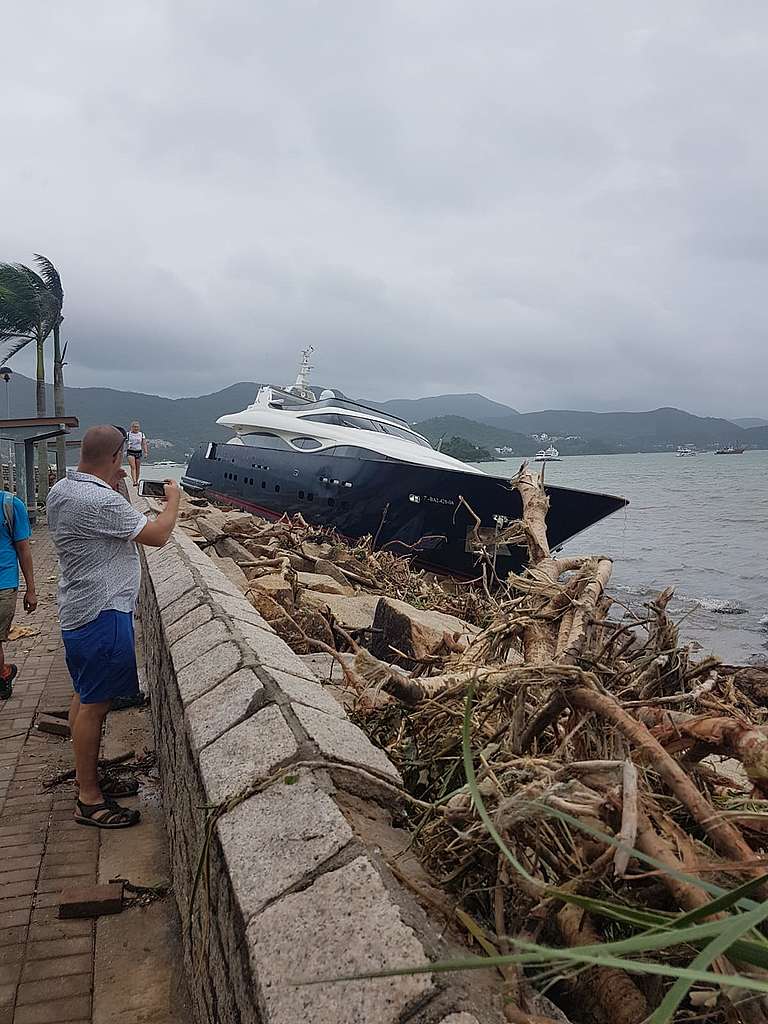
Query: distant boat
[
  {"x": 547, "y": 455},
  {"x": 730, "y": 449},
  {"x": 685, "y": 450},
  {"x": 165, "y": 462}
]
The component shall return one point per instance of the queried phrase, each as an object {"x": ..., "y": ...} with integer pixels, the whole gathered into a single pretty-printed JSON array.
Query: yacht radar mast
[{"x": 301, "y": 386}]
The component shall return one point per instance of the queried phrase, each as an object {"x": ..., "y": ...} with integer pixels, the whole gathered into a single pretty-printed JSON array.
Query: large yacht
[{"x": 365, "y": 472}]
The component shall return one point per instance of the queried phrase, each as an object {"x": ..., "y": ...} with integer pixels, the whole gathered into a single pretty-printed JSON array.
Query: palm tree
[
  {"x": 30, "y": 309},
  {"x": 52, "y": 279}
]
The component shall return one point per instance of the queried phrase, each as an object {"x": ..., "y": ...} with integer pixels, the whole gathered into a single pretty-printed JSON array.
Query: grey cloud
[{"x": 556, "y": 204}]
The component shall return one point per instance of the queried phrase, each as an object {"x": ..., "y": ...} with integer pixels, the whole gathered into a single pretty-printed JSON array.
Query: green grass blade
[
  {"x": 732, "y": 929},
  {"x": 725, "y": 902},
  {"x": 747, "y": 951},
  {"x": 533, "y": 954},
  {"x": 616, "y": 911}
]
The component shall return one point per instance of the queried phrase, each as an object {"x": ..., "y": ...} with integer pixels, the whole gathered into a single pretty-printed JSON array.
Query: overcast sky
[{"x": 556, "y": 204}]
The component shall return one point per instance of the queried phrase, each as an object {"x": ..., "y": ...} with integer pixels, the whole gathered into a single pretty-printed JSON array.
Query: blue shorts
[{"x": 101, "y": 658}]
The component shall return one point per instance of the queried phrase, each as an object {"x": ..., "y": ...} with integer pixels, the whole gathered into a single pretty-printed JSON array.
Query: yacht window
[
  {"x": 353, "y": 452},
  {"x": 306, "y": 442},
  {"x": 407, "y": 435},
  {"x": 325, "y": 417},
  {"x": 358, "y": 422},
  {"x": 264, "y": 440}
]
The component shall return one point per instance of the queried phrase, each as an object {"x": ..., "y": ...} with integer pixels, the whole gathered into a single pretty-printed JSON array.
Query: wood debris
[{"x": 588, "y": 720}]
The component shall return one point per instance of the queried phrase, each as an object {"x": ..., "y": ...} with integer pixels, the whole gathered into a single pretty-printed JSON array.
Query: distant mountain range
[
  {"x": 750, "y": 421},
  {"x": 186, "y": 422}
]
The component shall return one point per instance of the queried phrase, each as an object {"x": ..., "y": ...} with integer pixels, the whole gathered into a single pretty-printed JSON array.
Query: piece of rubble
[
  {"x": 324, "y": 584},
  {"x": 417, "y": 633},
  {"x": 91, "y": 900},
  {"x": 355, "y": 612}
]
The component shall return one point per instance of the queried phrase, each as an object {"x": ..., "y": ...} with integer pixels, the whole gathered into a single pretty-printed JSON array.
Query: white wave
[{"x": 722, "y": 606}]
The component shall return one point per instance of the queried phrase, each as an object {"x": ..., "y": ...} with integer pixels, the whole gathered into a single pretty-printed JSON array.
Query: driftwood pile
[{"x": 586, "y": 719}]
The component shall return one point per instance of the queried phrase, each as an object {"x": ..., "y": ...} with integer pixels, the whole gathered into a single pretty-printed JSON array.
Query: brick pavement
[{"x": 46, "y": 965}]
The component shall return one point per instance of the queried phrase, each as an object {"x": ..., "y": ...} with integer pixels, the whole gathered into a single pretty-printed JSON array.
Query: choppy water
[{"x": 699, "y": 524}]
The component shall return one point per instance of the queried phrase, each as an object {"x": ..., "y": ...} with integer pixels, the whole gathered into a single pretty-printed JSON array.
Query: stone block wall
[{"x": 290, "y": 890}]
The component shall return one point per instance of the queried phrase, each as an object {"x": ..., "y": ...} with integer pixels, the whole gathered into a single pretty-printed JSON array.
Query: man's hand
[
  {"x": 120, "y": 475},
  {"x": 30, "y": 601},
  {"x": 172, "y": 491}
]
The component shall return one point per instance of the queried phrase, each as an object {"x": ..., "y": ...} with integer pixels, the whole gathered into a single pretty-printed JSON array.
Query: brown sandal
[{"x": 106, "y": 815}]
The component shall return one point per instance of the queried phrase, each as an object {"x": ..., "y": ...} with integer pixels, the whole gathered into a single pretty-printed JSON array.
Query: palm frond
[
  {"x": 51, "y": 277},
  {"x": 14, "y": 349},
  {"x": 28, "y": 309}
]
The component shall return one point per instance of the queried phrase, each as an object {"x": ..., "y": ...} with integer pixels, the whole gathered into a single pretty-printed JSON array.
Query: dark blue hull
[{"x": 407, "y": 509}]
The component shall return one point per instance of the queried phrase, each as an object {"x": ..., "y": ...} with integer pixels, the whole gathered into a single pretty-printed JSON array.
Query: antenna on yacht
[{"x": 301, "y": 386}]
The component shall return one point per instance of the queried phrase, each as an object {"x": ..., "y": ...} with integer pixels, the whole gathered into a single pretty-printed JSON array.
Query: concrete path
[
  {"x": 46, "y": 965},
  {"x": 115, "y": 971}
]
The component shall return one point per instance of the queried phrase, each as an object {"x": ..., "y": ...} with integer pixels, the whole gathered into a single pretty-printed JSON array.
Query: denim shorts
[{"x": 101, "y": 658}]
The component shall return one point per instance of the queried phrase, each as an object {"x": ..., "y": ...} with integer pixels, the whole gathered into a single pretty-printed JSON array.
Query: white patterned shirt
[{"x": 93, "y": 529}]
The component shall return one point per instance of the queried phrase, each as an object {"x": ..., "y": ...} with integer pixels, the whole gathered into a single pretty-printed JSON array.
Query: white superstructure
[
  {"x": 314, "y": 426},
  {"x": 550, "y": 454}
]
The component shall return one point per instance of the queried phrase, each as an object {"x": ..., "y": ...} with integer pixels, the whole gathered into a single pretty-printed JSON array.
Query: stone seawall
[{"x": 294, "y": 889}]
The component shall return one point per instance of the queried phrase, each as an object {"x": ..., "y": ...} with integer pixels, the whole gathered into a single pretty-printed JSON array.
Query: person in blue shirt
[{"x": 14, "y": 551}]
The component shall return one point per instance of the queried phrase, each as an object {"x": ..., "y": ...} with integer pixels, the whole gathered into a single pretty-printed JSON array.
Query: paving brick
[
  {"x": 64, "y": 871},
  {"x": 54, "y": 1011},
  {"x": 9, "y": 973},
  {"x": 58, "y": 967},
  {"x": 58, "y": 929},
  {"x": 11, "y": 863},
  {"x": 14, "y": 918},
  {"x": 6, "y": 877},
  {"x": 46, "y": 990},
  {"x": 59, "y": 947},
  {"x": 13, "y": 889},
  {"x": 15, "y": 903},
  {"x": 12, "y": 936},
  {"x": 12, "y": 954},
  {"x": 91, "y": 901},
  {"x": 23, "y": 850}
]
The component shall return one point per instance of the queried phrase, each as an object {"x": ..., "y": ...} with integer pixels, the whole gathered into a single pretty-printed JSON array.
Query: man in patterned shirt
[{"x": 95, "y": 531}]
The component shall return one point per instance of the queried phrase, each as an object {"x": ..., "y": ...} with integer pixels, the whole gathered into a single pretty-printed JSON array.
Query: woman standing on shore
[{"x": 137, "y": 448}]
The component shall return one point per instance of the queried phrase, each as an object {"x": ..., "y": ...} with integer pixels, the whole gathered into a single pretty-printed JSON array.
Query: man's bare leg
[
  {"x": 86, "y": 739},
  {"x": 74, "y": 707}
]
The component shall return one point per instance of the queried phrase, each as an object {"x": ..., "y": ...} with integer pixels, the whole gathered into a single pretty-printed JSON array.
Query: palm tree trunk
[
  {"x": 42, "y": 448},
  {"x": 58, "y": 401}
]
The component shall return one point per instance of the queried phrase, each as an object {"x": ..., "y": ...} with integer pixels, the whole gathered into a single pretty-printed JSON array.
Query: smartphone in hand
[{"x": 152, "y": 488}]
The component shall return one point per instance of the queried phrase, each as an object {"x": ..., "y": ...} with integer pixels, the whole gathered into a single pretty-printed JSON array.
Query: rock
[
  {"x": 238, "y": 522},
  {"x": 275, "y": 586},
  {"x": 211, "y": 525},
  {"x": 231, "y": 570},
  {"x": 265, "y": 605},
  {"x": 312, "y": 550},
  {"x": 354, "y": 612},
  {"x": 228, "y": 547},
  {"x": 322, "y": 565},
  {"x": 323, "y": 584},
  {"x": 415, "y": 632}
]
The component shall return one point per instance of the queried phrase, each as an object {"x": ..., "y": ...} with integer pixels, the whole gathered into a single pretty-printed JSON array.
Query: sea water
[{"x": 699, "y": 525}]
